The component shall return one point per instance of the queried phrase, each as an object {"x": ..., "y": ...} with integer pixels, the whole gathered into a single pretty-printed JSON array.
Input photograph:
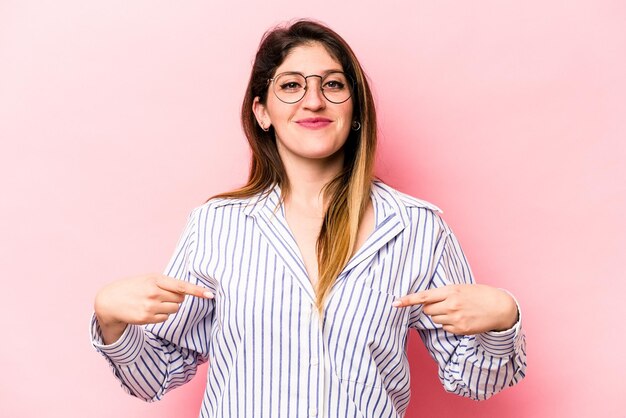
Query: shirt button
[
  {"x": 313, "y": 412},
  {"x": 314, "y": 361}
]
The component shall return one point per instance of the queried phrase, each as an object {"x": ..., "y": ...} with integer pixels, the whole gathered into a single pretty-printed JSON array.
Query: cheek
[
  {"x": 345, "y": 122},
  {"x": 349, "y": 111},
  {"x": 343, "y": 127},
  {"x": 278, "y": 111}
]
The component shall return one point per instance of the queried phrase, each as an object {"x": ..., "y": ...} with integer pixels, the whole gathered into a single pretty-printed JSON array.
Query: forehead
[{"x": 310, "y": 58}]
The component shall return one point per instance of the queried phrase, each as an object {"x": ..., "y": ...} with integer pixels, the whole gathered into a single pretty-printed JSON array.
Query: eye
[
  {"x": 290, "y": 82},
  {"x": 290, "y": 85},
  {"x": 334, "y": 85},
  {"x": 335, "y": 81}
]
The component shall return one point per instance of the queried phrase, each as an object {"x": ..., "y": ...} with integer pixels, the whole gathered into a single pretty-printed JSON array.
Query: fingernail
[
  {"x": 208, "y": 294},
  {"x": 396, "y": 303}
]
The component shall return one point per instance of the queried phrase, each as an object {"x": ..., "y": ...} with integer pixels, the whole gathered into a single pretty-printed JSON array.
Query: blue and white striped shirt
[{"x": 269, "y": 353}]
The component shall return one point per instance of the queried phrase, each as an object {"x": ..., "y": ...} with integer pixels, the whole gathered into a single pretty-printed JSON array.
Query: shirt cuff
[
  {"x": 503, "y": 343},
  {"x": 123, "y": 351}
]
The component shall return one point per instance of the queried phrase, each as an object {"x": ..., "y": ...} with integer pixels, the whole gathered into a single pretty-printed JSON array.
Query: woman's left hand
[{"x": 465, "y": 309}]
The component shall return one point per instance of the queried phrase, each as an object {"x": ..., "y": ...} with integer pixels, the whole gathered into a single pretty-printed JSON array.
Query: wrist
[
  {"x": 509, "y": 315},
  {"x": 103, "y": 314},
  {"x": 110, "y": 330},
  {"x": 109, "y": 323}
]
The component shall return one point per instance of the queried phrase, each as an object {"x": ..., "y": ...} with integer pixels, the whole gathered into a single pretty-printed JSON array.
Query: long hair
[{"x": 348, "y": 193}]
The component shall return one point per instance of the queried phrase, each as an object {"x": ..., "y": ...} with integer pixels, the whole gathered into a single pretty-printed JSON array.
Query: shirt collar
[
  {"x": 387, "y": 202},
  {"x": 269, "y": 200}
]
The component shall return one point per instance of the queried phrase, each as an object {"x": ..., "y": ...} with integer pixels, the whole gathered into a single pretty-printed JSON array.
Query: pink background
[{"x": 118, "y": 117}]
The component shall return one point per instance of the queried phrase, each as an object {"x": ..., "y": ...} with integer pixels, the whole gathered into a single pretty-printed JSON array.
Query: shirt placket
[{"x": 316, "y": 365}]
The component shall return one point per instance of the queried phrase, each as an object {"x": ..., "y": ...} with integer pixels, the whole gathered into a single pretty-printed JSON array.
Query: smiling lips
[{"x": 314, "y": 123}]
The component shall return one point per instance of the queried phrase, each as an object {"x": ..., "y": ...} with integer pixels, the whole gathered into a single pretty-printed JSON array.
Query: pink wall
[{"x": 118, "y": 117}]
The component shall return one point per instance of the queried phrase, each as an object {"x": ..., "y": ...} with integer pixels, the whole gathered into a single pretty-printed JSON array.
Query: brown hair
[{"x": 348, "y": 193}]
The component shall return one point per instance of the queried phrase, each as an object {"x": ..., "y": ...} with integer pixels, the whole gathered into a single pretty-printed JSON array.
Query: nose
[{"x": 313, "y": 97}]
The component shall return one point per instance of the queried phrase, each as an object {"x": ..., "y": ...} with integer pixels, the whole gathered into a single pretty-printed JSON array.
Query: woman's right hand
[{"x": 147, "y": 299}]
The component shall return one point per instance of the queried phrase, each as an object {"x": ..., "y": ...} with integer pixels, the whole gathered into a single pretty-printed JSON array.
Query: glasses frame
[{"x": 351, "y": 85}]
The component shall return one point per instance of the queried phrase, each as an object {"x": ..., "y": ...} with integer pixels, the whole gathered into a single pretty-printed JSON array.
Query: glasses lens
[
  {"x": 290, "y": 87},
  {"x": 337, "y": 87}
]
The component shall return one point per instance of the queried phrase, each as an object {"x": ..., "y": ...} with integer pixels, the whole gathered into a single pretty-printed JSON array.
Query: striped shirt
[{"x": 269, "y": 353}]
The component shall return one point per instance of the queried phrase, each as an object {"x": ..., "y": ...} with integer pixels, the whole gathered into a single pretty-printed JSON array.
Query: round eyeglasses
[{"x": 290, "y": 87}]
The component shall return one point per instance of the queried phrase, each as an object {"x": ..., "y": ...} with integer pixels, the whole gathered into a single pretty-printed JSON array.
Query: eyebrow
[{"x": 324, "y": 73}]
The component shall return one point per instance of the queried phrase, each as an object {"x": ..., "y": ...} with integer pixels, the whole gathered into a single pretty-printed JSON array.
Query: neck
[{"x": 307, "y": 179}]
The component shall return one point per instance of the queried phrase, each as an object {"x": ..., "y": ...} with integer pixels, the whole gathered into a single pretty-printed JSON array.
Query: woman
[{"x": 300, "y": 287}]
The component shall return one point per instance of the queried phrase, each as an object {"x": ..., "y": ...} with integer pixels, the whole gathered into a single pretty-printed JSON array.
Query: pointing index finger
[
  {"x": 179, "y": 286},
  {"x": 422, "y": 297}
]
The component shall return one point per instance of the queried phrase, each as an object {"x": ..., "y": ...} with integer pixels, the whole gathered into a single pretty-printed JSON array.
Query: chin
[
  {"x": 321, "y": 154},
  {"x": 314, "y": 147}
]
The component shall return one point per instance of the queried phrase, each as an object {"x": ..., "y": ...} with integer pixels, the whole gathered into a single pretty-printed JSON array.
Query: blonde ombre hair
[{"x": 348, "y": 193}]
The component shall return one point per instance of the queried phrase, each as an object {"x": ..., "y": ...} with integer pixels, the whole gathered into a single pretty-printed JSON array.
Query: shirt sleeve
[
  {"x": 153, "y": 359},
  {"x": 474, "y": 366}
]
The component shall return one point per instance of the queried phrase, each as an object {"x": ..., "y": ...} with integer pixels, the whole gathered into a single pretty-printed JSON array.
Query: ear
[{"x": 261, "y": 113}]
